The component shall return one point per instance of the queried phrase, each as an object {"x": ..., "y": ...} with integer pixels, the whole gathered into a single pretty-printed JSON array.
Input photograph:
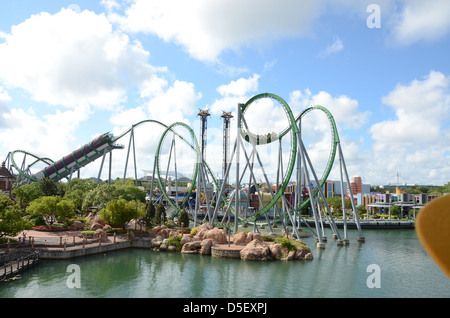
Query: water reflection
[{"x": 336, "y": 271}]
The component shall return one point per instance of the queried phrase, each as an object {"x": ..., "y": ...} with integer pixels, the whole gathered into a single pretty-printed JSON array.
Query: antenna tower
[
  {"x": 203, "y": 127},
  {"x": 226, "y": 140}
]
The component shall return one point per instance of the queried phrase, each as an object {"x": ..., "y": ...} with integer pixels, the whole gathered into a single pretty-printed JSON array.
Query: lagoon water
[{"x": 405, "y": 271}]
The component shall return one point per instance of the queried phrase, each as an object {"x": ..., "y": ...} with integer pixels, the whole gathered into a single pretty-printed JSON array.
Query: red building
[{"x": 356, "y": 185}]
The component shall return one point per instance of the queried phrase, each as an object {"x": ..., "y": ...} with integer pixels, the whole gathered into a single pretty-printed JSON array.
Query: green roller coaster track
[
  {"x": 258, "y": 139},
  {"x": 247, "y": 136},
  {"x": 23, "y": 175},
  {"x": 255, "y": 140},
  {"x": 194, "y": 145}
]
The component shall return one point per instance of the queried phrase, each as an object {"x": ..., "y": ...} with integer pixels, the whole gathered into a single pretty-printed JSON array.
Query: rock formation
[
  {"x": 254, "y": 247},
  {"x": 255, "y": 250}
]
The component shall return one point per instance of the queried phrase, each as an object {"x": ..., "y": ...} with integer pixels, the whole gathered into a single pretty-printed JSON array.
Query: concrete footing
[
  {"x": 343, "y": 242},
  {"x": 320, "y": 245}
]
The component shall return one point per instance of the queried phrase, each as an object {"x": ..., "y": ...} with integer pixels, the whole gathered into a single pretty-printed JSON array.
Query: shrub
[
  {"x": 268, "y": 238},
  {"x": 88, "y": 233},
  {"x": 291, "y": 245},
  {"x": 117, "y": 231},
  {"x": 194, "y": 231},
  {"x": 183, "y": 219},
  {"x": 160, "y": 215},
  {"x": 37, "y": 220},
  {"x": 286, "y": 243},
  {"x": 175, "y": 241}
]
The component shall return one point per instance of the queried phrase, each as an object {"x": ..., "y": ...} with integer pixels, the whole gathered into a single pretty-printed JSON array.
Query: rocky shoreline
[
  {"x": 202, "y": 240},
  {"x": 251, "y": 246}
]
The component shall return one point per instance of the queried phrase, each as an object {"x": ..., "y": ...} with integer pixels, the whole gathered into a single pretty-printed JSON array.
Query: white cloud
[
  {"x": 333, "y": 48},
  {"x": 240, "y": 87},
  {"x": 77, "y": 60},
  {"x": 421, "y": 108},
  {"x": 4, "y": 100},
  {"x": 233, "y": 93},
  {"x": 344, "y": 109},
  {"x": 416, "y": 141},
  {"x": 174, "y": 104},
  {"x": 421, "y": 21},
  {"x": 110, "y": 5},
  {"x": 72, "y": 58},
  {"x": 206, "y": 29},
  {"x": 51, "y": 136}
]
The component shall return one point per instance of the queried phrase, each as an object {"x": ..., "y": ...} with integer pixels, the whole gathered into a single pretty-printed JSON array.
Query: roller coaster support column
[
  {"x": 320, "y": 243},
  {"x": 110, "y": 167},
  {"x": 237, "y": 185},
  {"x": 153, "y": 180},
  {"x": 254, "y": 151},
  {"x": 222, "y": 187},
  {"x": 134, "y": 157},
  {"x": 355, "y": 214},
  {"x": 176, "y": 176},
  {"x": 299, "y": 185},
  {"x": 320, "y": 191},
  {"x": 344, "y": 216},
  {"x": 101, "y": 166}
]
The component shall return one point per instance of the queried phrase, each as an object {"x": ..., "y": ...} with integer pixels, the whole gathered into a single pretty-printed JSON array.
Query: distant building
[
  {"x": 381, "y": 202},
  {"x": 355, "y": 185},
  {"x": 333, "y": 188},
  {"x": 6, "y": 180}
]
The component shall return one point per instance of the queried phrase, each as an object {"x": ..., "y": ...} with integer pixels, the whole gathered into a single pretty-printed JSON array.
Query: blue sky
[{"x": 72, "y": 70}]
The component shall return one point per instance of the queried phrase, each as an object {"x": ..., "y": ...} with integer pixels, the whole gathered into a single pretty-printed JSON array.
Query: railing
[{"x": 16, "y": 262}]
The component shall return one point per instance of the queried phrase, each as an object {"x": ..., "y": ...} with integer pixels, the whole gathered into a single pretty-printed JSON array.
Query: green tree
[
  {"x": 423, "y": 189},
  {"x": 77, "y": 190},
  {"x": 100, "y": 196},
  {"x": 11, "y": 221},
  {"x": 131, "y": 192},
  {"x": 361, "y": 210},
  {"x": 27, "y": 193},
  {"x": 335, "y": 202},
  {"x": 65, "y": 210},
  {"x": 160, "y": 215},
  {"x": 183, "y": 218},
  {"x": 45, "y": 207},
  {"x": 395, "y": 210},
  {"x": 150, "y": 216},
  {"x": 48, "y": 187},
  {"x": 118, "y": 212}
]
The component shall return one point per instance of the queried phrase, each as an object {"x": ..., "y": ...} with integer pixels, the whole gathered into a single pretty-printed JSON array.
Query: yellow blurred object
[{"x": 433, "y": 229}]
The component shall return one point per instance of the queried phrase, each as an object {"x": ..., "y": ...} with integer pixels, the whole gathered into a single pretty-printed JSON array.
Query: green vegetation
[
  {"x": 268, "y": 238},
  {"x": 118, "y": 212},
  {"x": 291, "y": 245},
  {"x": 151, "y": 212},
  {"x": 194, "y": 231},
  {"x": 183, "y": 218},
  {"x": 175, "y": 240},
  {"x": 87, "y": 233},
  {"x": 11, "y": 220},
  {"x": 416, "y": 190},
  {"x": 160, "y": 215},
  {"x": 47, "y": 204},
  {"x": 52, "y": 209}
]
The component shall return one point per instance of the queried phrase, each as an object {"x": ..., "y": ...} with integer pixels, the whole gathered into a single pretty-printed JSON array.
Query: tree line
[{"x": 46, "y": 203}]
